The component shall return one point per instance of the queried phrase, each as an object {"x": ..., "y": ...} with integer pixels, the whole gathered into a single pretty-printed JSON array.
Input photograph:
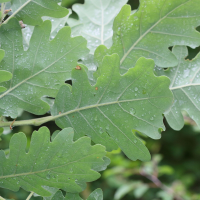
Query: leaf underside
[
  {"x": 61, "y": 163},
  {"x": 39, "y": 71},
  {"x": 185, "y": 85},
  {"x": 151, "y": 30},
  {"x": 96, "y": 21},
  {"x": 109, "y": 110},
  {"x": 31, "y": 11}
]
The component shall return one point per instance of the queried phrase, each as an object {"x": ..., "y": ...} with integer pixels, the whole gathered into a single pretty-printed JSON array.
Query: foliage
[{"x": 114, "y": 93}]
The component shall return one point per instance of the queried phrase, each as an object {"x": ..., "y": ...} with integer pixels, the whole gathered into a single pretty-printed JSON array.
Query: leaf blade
[
  {"x": 99, "y": 108},
  {"x": 54, "y": 164}
]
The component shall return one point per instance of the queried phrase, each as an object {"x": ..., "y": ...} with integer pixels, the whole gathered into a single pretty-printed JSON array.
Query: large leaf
[
  {"x": 185, "y": 85},
  {"x": 4, "y": 75},
  {"x": 96, "y": 195},
  {"x": 95, "y": 21},
  {"x": 31, "y": 11},
  {"x": 109, "y": 110},
  {"x": 155, "y": 26},
  {"x": 61, "y": 164},
  {"x": 39, "y": 71}
]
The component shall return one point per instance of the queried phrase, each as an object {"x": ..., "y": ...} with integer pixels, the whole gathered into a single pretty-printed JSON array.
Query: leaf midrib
[
  {"x": 141, "y": 37},
  {"x": 103, "y": 104},
  {"x": 37, "y": 172}
]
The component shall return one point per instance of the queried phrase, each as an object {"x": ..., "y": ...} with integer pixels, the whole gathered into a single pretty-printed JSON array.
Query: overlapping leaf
[
  {"x": 95, "y": 21},
  {"x": 109, "y": 110},
  {"x": 39, "y": 71},
  {"x": 57, "y": 24},
  {"x": 31, "y": 11},
  {"x": 61, "y": 164},
  {"x": 96, "y": 195},
  {"x": 149, "y": 32},
  {"x": 185, "y": 85}
]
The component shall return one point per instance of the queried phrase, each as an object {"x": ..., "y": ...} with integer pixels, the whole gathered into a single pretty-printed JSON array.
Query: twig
[
  {"x": 159, "y": 184},
  {"x": 30, "y": 195},
  {"x": 1, "y": 198}
]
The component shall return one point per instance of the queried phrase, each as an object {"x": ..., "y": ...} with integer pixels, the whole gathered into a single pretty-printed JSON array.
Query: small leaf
[
  {"x": 96, "y": 21},
  {"x": 61, "y": 164},
  {"x": 151, "y": 30},
  {"x": 185, "y": 85},
  {"x": 39, "y": 71},
  {"x": 31, "y": 11},
  {"x": 109, "y": 110}
]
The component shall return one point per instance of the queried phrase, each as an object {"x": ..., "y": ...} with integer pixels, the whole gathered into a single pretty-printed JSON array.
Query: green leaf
[
  {"x": 4, "y": 75},
  {"x": 109, "y": 110},
  {"x": 95, "y": 195},
  {"x": 61, "y": 164},
  {"x": 31, "y": 11},
  {"x": 39, "y": 71},
  {"x": 96, "y": 21},
  {"x": 2, "y": 1},
  {"x": 153, "y": 28},
  {"x": 185, "y": 85},
  {"x": 57, "y": 24}
]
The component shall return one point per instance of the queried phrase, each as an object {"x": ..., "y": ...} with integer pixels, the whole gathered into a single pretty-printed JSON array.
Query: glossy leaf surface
[
  {"x": 109, "y": 110},
  {"x": 61, "y": 163},
  {"x": 39, "y": 71}
]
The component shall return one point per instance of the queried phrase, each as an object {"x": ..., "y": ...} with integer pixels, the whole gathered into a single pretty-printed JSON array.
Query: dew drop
[
  {"x": 136, "y": 89},
  {"x": 132, "y": 111}
]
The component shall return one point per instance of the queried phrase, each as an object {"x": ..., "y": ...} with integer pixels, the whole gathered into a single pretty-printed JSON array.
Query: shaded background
[{"x": 173, "y": 172}]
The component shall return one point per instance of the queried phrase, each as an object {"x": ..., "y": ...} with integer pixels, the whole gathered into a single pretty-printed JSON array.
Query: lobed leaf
[
  {"x": 151, "y": 30},
  {"x": 39, "y": 71},
  {"x": 31, "y": 11},
  {"x": 95, "y": 21},
  {"x": 185, "y": 85},
  {"x": 109, "y": 110},
  {"x": 61, "y": 163}
]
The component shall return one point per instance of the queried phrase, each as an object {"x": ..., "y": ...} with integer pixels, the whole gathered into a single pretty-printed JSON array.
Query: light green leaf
[
  {"x": 39, "y": 71},
  {"x": 109, "y": 110},
  {"x": 185, "y": 85},
  {"x": 31, "y": 11},
  {"x": 57, "y": 24},
  {"x": 96, "y": 21},
  {"x": 151, "y": 30},
  {"x": 61, "y": 164},
  {"x": 96, "y": 195}
]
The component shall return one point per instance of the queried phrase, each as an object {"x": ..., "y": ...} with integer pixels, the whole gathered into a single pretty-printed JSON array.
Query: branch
[{"x": 159, "y": 184}]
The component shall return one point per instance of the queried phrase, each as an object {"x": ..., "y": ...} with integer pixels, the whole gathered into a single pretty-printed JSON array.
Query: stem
[
  {"x": 1, "y": 198},
  {"x": 35, "y": 122},
  {"x": 30, "y": 195}
]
